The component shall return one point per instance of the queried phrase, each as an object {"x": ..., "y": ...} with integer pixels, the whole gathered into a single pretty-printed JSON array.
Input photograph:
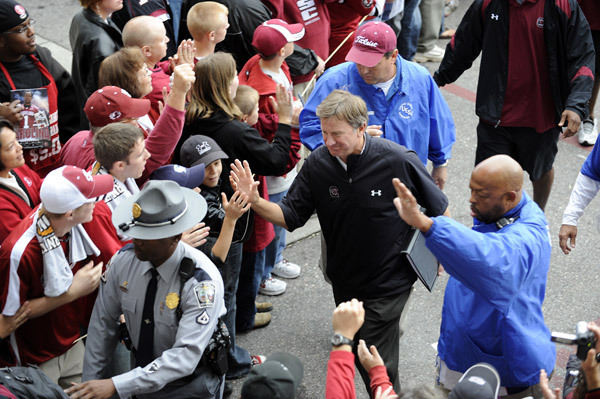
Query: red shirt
[
  {"x": 21, "y": 274},
  {"x": 79, "y": 150},
  {"x": 344, "y": 21},
  {"x": 315, "y": 18},
  {"x": 159, "y": 80},
  {"x": 13, "y": 207},
  {"x": 528, "y": 99},
  {"x": 340, "y": 377}
]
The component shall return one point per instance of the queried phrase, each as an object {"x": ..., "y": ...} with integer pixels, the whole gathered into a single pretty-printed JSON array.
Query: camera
[{"x": 583, "y": 338}]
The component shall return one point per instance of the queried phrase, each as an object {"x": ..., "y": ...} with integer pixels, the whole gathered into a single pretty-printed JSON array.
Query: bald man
[
  {"x": 149, "y": 34},
  {"x": 493, "y": 302}
]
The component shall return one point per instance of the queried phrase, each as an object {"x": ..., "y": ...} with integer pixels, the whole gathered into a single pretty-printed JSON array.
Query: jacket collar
[{"x": 399, "y": 84}]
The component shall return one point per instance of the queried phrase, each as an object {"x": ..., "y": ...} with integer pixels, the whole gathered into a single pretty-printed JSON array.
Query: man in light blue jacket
[
  {"x": 404, "y": 103},
  {"x": 493, "y": 302}
]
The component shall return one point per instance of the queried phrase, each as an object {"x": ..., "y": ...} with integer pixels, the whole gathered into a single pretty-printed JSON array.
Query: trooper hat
[
  {"x": 481, "y": 381},
  {"x": 161, "y": 209},
  {"x": 200, "y": 149},
  {"x": 277, "y": 378}
]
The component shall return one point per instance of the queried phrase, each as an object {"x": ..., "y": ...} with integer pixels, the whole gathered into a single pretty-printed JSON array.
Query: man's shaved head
[
  {"x": 501, "y": 171},
  {"x": 142, "y": 31},
  {"x": 496, "y": 187}
]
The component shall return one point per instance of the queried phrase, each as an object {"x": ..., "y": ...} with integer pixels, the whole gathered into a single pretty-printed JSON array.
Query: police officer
[{"x": 171, "y": 296}]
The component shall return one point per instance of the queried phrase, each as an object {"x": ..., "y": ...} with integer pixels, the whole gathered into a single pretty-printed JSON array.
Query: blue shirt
[{"x": 414, "y": 112}]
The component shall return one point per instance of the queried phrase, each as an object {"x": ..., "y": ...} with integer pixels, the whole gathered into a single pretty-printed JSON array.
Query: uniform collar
[{"x": 169, "y": 266}]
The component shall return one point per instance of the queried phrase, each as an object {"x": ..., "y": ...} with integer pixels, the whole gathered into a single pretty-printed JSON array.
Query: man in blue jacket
[
  {"x": 404, "y": 104},
  {"x": 493, "y": 302}
]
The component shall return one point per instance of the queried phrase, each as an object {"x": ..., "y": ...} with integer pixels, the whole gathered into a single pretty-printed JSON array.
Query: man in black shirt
[{"x": 348, "y": 181}]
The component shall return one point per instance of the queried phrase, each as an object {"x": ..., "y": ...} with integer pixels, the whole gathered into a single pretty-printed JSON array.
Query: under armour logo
[
  {"x": 375, "y": 193},
  {"x": 495, "y": 16}
]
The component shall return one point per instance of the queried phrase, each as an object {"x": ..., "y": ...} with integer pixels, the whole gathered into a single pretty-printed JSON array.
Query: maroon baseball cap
[
  {"x": 371, "y": 42},
  {"x": 69, "y": 187},
  {"x": 270, "y": 36},
  {"x": 111, "y": 104}
]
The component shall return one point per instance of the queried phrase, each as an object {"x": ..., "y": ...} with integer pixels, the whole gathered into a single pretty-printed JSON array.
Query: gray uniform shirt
[{"x": 177, "y": 347}]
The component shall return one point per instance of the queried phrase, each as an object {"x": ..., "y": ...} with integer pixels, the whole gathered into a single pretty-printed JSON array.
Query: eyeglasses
[{"x": 23, "y": 29}]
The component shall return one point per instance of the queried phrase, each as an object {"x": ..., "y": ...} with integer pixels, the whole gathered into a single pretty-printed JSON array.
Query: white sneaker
[
  {"x": 272, "y": 286},
  {"x": 286, "y": 269},
  {"x": 436, "y": 54},
  {"x": 588, "y": 132}
]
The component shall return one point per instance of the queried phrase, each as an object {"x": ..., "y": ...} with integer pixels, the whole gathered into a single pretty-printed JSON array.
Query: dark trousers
[{"x": 382, "y": 329}]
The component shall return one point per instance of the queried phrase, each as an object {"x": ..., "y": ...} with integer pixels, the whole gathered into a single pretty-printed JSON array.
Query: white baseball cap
[{"x": 69, "y": 187}]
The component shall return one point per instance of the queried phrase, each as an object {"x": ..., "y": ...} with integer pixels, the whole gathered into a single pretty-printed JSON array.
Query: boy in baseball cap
[
  {"x": 57, "y": 253},
  {"x": 106, "y": 105}
]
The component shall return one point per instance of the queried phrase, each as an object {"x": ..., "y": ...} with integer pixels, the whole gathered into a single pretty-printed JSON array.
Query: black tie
[{"x": 144, "y": 352}]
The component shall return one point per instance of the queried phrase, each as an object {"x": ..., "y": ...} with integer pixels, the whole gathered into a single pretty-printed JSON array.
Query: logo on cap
[
  {"x": 366, "y": 42},
  {"x": 19, "y": 9},
  {"x": 179, "y": 168},
  {"x": 114, "y": 115},
  {"x": 203, "y": 147}
]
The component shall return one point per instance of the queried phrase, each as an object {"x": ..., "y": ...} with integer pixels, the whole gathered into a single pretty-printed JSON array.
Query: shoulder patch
[
  {"x": 203, "y": 318},
  {"x": 205, "y": 294},
  {"x": 125, "y": 248}
]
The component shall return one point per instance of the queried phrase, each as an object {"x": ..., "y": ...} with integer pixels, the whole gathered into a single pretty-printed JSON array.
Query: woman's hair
[
  {"x": 210, "y": 92},
  {"x": 4, "y": 123},
  {"x": 89, "y": 3},
  {"x": 121, "y": 69}
]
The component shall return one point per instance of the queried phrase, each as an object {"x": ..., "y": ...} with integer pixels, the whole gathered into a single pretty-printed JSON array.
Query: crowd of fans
[{"x": 145, "y": 195}]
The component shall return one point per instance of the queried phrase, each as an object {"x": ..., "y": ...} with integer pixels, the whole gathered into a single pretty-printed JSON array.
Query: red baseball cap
[
  {"x": 69, "y": 187},
  {"x": 371, "y": 42},
  {"x": 270, "y": 36},
  {"x": 111, "y": 104}
]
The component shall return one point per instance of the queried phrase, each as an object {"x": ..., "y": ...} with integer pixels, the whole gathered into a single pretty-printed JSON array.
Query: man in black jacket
[
  {"x": 24, "y": 65},
  {"x": 348, "y": 181},
  {"x": 537, "y": 73}
]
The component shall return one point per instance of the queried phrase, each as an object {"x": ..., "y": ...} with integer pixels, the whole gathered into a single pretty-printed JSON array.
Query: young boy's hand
[{"x": 236, "y": 206}]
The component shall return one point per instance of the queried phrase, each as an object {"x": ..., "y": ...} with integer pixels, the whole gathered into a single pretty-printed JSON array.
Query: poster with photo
[{"x": 34, "y": 128}]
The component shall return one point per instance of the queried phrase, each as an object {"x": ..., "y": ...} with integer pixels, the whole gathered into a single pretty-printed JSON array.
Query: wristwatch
[{"x": 339, "y": 340}]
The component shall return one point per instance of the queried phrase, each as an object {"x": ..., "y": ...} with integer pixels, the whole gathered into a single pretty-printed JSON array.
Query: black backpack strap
[{"x": 186, "y": 270}]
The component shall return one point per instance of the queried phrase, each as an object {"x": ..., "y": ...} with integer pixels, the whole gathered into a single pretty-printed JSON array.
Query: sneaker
[
  {"x": 286, "y": 269},
  {"x": 262, "y": 320},
  {"x": 272, "y": 286},
  {"x": 450, "y": 6},
  {"x": 262, "y": 307},
  {"x": 588, "y": 132},
  {"x": 255, "y": 360},
  {"x": 436, "y": 54}
]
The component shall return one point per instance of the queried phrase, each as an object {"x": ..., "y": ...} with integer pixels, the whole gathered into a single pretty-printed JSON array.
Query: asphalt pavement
[{"x": 302, "y": 316}]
